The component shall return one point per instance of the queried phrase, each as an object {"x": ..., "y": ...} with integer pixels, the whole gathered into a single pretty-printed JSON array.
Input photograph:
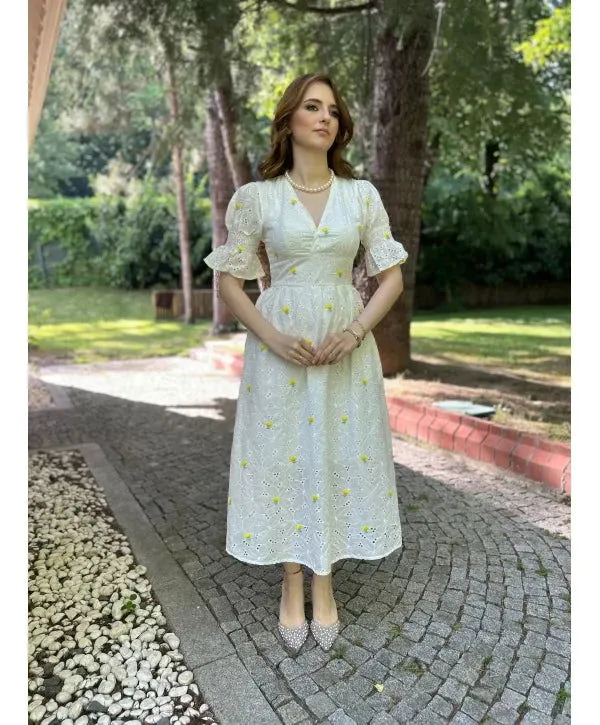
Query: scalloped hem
[{"x": 308, "y": 565}]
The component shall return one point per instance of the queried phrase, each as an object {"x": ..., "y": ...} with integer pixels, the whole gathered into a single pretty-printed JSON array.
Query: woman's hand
[
  {"x": 334, "y": 348},
  {"x": 293, "y": 349}
]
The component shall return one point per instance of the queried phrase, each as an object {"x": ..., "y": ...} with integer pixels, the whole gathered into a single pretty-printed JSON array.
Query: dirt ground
[{"x": 538, "y": 407}]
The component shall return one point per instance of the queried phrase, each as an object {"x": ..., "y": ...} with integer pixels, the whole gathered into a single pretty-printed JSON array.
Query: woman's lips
[{"x": 323, "y": 131}]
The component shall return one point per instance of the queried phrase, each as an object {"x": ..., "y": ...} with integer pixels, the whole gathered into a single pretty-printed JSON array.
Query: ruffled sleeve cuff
[
  {"x": 237, "y": 260},
  {"x": 383, "y": 254},
  {"x": 238, "y": 256},
  {"x": 382, "y": 251}
]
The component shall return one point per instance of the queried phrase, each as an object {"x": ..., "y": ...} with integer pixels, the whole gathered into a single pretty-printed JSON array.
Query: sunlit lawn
[
  {"x": 92, "y": 325},
  {"x": 531, "y": 340}
]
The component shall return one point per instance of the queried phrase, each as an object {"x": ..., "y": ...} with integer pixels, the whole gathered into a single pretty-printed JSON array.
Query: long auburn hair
[{"x": 280, "y": 157}]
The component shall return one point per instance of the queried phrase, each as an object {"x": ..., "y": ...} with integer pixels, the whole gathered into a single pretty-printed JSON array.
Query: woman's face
[{"x": 315, "y": 123}]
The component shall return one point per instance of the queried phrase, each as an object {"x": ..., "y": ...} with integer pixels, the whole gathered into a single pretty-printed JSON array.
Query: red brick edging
[
  {"x": 539, "y": 459},
  {"x": 545, "y": 461}
]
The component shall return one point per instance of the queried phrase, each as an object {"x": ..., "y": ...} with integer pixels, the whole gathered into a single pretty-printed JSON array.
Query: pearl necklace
[{"x": 311, "y": 189}]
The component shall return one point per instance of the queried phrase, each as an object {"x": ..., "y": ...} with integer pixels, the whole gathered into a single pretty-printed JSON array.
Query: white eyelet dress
[{"x": 311, "y": 474}]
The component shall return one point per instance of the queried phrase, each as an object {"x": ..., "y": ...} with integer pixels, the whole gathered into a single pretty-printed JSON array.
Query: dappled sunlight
[
  {"x": 212, "y": 413},
  {"x": 91, "y": 341},
  {"x": 180, "y": 386},
  {"x": 532, "y": 345}
]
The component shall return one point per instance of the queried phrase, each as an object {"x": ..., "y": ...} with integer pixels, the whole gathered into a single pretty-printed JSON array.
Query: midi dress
[{"x": 311, "y": 477}]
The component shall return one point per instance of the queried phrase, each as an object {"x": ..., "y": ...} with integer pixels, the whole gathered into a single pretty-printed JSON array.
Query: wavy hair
[{"x": 280, "y": 157}]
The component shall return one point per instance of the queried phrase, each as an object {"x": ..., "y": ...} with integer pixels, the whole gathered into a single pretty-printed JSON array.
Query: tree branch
[{"x": 302, "y": 7}]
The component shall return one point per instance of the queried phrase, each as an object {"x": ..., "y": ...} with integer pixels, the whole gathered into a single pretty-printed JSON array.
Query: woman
[{"x": 312, "y": 475}]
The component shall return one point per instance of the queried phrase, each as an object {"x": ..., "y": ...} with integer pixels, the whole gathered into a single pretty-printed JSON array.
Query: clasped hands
[{"x": 334, "y": 348}]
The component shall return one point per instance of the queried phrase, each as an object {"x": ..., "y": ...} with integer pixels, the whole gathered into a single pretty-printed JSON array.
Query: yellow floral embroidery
[
  {"x": 244, "y": 464},
  {"x": 292, "y": 382},
  {"x": 285, "y": 309},
  {"x": 239, "y": 205},
  {"x": 293, "y": 459},
  {"x": 325, "y": 230},
  {"x": 247, "y": 536},
  {"x": 276, "y": 499},
  {"x": 329, "y": 306},
  {"x": 364, "y": 381},
  {"x": 299, "y": 527},
  {"x": 293, "y": 270},
  {"x": 369, "y": 202},
  {"x": 311, "y": 419},
  {"x": 269, "y": 423},
  {"x": 344, "y": 419},
  {"x": 315, "y": 496},
  {"x": 346, "y": 491},
  {"x": 360, "y": 226},
  {"x": 263, "y": 347},
  {"x": 366, "y": 528},
  {"x": 248, "y": 387},
  {"x": 294, "y": 201},
  {"x": 229, "y": 500},
  {"x": 240, "y": 248},
  {"x": 308, "y": 342},
  {"x": 340, "y": 272},
  {"x": 390, "y": 492},
  {"x": 364, "y": 458},
  {"x": 387, "y": 235}
]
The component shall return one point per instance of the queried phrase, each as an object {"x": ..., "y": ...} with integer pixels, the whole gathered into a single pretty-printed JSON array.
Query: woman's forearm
[
  {"x": 241, "y": 306},
  {"x": 390, "y": 288}
]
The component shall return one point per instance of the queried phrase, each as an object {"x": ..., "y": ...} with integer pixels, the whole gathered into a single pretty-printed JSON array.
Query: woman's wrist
[
  {"x": 361, "y": 330},
  {"x": 356, "y": 337}
]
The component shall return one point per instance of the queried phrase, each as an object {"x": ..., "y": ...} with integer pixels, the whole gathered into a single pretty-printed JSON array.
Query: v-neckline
[{"x": 308, "y": 214}]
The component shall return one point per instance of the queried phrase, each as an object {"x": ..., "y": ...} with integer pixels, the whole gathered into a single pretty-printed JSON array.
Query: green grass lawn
[
  {"x": 95, "y": 324},
  {"x": 536, "y": 340},
  {"x": 90, "y": 325}
]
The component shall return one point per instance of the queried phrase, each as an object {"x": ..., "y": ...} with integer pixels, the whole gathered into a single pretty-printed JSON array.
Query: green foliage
[
  {"x": 482, "y": 89},
  {"x": 64, "y": 224},
  {"x": 128, "y": 244},
  {"x": 470, "y": 236},
  {"x": 548, "y": 50}
]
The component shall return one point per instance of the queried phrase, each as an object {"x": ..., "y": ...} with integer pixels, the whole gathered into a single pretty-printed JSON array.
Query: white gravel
[{"x": 98, "y": 648}]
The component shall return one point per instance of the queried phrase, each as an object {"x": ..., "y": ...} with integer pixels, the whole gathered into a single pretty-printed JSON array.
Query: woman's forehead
[{"x": 319, "y": 92}]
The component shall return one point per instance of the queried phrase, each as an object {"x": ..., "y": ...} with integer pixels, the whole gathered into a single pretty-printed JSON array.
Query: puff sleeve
[
  {"x": 382, "y": 250},
  {"x": 243, "y": 220}
]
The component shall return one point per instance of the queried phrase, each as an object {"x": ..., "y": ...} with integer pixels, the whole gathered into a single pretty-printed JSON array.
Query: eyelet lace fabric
[{"x": 312, "y": 476}]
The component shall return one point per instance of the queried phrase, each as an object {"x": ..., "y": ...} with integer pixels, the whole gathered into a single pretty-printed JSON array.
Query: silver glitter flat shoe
[
  {"x": 294, "y": 637},
  {"x": 325, "y": 636}
]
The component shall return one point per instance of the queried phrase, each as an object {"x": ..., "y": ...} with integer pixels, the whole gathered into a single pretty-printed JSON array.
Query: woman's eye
[{"x": 310, "y": 105}]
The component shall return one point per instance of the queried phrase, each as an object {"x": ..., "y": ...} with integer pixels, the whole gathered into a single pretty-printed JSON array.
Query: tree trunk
[
  {"x": 398, "y": 163},
  {"x": 237, "y": 158},
  {"x": 179, "y": 181},
  {"x": 221, "y": 191},
  {"x": 239, "y": 163}
]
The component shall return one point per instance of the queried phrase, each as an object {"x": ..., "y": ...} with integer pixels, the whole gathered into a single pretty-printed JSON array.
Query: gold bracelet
[
  {"x": 364, "y": 332},
  {"x": 356, "y": 337}
]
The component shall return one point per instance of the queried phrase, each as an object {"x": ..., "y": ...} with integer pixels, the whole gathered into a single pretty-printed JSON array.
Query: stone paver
[{"x": 458, "y": 626}]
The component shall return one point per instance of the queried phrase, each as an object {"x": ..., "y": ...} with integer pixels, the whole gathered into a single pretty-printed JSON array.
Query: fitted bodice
[{"x": 301, "y": 253}]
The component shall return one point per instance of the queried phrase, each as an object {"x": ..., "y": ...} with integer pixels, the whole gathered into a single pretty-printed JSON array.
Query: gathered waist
[{"x": 309, "y": 285}]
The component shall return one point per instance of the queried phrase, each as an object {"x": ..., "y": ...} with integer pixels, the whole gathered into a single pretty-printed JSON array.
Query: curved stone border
[
  {"x": 59, "y": 396},
  {"x": 541, "y": 460},
  {"x": 224, "y": 682},
  {"x": 548, "y": 462}
]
